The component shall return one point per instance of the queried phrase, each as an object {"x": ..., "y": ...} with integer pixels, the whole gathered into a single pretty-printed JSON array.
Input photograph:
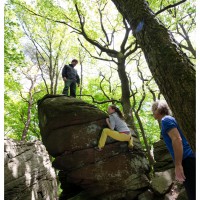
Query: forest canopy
[{"x": 40, "y": 37}]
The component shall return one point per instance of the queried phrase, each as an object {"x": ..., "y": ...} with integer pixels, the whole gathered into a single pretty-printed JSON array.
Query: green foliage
[
  {"x": 93, "y": 88},
  {"x": 15, "y": 111},
  {"x": 150, "y": 125},
  {"x": 181, "y": 15},
  {"x": 13, "y": 54},
  {"x": 15, "y": 120},
  {"x": 41, "y": 30}
]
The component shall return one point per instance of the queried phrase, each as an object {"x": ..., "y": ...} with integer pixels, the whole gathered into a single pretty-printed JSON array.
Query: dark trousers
[
  {"x": 189, "y": 167},
  {"x": 72, "y": 85}
]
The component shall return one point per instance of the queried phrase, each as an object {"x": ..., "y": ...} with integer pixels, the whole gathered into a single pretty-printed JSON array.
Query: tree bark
[
  {"x": 30, "y": 104},
  {"x": 170, "y": 67},
  {"x": 125, "y": 99},
  {"x": 150, "y": 158}
]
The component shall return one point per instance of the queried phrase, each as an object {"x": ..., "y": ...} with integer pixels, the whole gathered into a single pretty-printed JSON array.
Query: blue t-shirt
[{"x": 167, "y": 123}]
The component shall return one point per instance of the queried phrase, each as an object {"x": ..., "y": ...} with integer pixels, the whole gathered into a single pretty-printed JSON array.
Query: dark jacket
[{"x": 69, "y": 72}]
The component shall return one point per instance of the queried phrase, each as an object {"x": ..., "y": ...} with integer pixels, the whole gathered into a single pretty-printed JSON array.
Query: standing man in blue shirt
[
  {"x": 179, "y": 148},
  {"x": 70, "y": 78}
]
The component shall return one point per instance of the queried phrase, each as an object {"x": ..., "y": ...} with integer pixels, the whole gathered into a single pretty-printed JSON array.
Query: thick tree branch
[
  {"x": 33, "y": 41},
  {"x": 102, "y": 26},
  {"x": 99, "y": 58},
  {"x": 50, "y": 19},
  {"x": 94, "y": 42},
  {"x": 103, "y": 77},
  {"x": 170, "y": 6},
  {"x": 42, "y": 74},
  {"x": 128, "y": 29},
  {"x": 133, "y": 50},
  {"x": 187, "y": 39}
]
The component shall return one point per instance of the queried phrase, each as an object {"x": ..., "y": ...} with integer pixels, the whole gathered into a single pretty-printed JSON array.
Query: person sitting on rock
[{"x": 117, "y": 130}]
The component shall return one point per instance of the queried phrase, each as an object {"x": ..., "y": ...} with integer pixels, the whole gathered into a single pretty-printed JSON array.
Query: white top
[{"x": 117, "y": 123}]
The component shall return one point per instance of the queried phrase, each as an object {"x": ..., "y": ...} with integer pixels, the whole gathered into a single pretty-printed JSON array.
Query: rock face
[
  {"x": 162, "y": 157},
  {"x": 28, "y": 172},
  {"x": 163, "y": 183},
  {"x": 70, "y": 129}
]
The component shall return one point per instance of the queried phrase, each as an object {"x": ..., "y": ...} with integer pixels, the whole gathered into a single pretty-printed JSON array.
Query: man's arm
[
  {"x": 64, "y": 73},
  {"x": 178, "y": 153},
  {"x": 77, "y": 79}
]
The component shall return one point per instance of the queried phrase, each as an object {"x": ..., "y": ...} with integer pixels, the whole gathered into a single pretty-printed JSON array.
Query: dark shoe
[{"x": 98, "y": 149}]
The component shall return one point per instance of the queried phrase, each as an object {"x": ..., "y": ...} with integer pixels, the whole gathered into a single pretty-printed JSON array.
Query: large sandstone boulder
[
  {"x": 28, "y": 172},
  {"x": 163, "y": 182},
  {"x": 70, "y": 129},
  {"x": 68, "y": 124},
  {"x": 162, "y": 157}
]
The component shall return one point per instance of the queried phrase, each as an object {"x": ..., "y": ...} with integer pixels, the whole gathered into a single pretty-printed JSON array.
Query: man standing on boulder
[{"x": 70, "y": 77}]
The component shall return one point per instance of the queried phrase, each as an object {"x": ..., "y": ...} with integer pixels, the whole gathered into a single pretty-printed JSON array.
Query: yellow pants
[{"x": 115, "y": 135}]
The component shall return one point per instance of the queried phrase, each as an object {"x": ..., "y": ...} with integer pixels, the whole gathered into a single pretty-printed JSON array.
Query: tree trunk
[
  {"x": 30, "y": 104},
  {"x": 81, "y": 76},
  {"x": 81, "y": 79},
  {"x": 56, "y": 81},
  {"x": 126, "y": 104},
  {"x": 170, "y": 67},
  {"x": 150, "y": 158},
  {"x": 28, "y": 121}
]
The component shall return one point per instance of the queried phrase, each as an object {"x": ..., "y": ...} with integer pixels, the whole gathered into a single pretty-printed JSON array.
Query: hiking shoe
[
  {"x": 130, "y": 143},
  {"x": 98, "y": 149}
]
